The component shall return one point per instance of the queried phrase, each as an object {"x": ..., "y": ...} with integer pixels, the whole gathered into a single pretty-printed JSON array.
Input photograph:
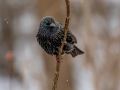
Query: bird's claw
[{"x": 59, "y": 59}]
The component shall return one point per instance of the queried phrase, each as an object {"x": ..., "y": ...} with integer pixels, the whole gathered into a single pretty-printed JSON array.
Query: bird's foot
[{"x": 59, "y": 59}]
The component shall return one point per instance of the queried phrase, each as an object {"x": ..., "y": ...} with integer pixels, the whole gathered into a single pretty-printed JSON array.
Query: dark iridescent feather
[{"x": 50, "y": 36}]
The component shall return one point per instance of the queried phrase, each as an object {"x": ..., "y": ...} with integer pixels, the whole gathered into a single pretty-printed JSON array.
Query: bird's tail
[{"x": 76, "y": 51}]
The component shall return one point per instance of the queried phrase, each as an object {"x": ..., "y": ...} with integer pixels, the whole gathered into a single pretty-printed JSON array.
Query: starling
[{"x": 50, "y": 36}]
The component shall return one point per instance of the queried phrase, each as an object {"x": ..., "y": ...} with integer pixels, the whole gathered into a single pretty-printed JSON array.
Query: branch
[{"x": 59, "y": 57}]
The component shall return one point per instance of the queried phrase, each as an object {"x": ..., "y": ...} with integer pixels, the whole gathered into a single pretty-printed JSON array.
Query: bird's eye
[{"x": 47, "y": 23}]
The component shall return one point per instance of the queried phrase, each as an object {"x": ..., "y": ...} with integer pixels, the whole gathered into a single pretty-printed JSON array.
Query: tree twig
[{"x": 59, "y": 57}]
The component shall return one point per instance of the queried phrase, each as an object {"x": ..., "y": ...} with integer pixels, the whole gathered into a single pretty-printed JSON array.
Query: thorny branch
[{"x": 59, "y": 57}]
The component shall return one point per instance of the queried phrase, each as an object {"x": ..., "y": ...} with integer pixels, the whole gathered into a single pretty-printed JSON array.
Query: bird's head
[{"x": 48, "y": 26}]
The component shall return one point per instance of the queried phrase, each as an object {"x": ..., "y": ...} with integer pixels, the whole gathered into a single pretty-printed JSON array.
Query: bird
[{"x": 50, "y": 35}]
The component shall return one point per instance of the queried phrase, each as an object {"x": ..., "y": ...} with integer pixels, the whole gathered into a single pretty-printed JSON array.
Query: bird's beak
[{"x": 52, "y": 25}]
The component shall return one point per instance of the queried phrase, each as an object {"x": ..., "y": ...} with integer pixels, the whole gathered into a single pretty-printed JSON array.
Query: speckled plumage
[{"x": 50, "y": 36}]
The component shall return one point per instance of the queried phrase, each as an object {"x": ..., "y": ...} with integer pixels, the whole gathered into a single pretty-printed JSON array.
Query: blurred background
[{"x": 25, "y": 66}]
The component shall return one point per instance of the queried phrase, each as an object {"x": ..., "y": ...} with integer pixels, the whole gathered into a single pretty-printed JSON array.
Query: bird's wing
[{"x": 70, "y": 37}]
